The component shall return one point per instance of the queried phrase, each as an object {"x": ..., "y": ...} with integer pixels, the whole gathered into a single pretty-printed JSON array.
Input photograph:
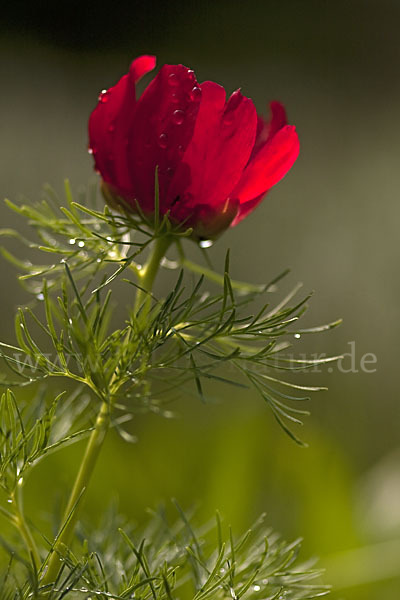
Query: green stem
[
  {"x": 149, "y": 272},
  {"x": 85, "y": 472},
  {"x": 18, "y": 520},
  {"x": 97, "y": 437}
]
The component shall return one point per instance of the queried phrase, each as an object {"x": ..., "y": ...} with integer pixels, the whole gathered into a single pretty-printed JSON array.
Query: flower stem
[
  {"x": 88, "y": 463},
  {"x": 97, "y": 437},
  {"x": 149, "y": 272},
  {"x": 18, "y": 520}
]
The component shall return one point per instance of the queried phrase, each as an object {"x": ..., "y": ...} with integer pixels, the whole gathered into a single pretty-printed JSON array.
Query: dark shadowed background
[{"x": 334, "y": 220}]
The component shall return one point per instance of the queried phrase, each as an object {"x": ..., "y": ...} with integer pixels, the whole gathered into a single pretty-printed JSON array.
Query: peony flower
[{"x": 215, "y": 158}]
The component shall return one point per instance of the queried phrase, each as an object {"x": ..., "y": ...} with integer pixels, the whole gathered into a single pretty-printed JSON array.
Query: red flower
[{"x": 216, "y": 159}]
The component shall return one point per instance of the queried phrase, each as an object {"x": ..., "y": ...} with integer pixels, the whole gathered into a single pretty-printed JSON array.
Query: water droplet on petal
[
  {"x": 227, "y": 119},
  {"x": 178, "y": 116},
  {"x": 103, "y": 97},
  {"x": 173, "y": 80},
  {"x": 195, "y": 94},
  {"x": 206, "y": 243},
  {"x": 163, "y": 140}
]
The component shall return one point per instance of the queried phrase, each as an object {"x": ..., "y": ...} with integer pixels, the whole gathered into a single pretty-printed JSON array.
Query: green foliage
[
  {"x": 31, "y": 431},
  {"x": 207, "y": 328},
  {"x": 178, "y": 560},
  {"x": 192, "y": 336}
]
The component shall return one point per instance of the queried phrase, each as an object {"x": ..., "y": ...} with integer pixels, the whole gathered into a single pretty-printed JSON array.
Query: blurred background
[{"x": 334, "y": 220}]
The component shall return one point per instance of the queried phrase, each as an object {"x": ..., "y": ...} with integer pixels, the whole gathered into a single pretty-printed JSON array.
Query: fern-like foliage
[
  {"x": 166, "y": 561},
  {"x": 203, "y": 324}
]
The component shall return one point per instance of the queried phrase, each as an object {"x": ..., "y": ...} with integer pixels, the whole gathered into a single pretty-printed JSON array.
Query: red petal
[
  {"x": 267, "y": 129},
  {"x": 218, "y": 152},
  {"x": 141, "y": 66},
  {"x": 270, "y": 164},
  {"x": 246, "y": 208},
  {"x": 162, "y": 127},
  {"x": 109, "y": 122},
  {"x": 278, "y": 118}
]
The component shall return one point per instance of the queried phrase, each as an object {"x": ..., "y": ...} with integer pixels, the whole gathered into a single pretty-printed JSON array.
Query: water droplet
[
  {"x": 195, "y": 94},
  {"x": 81, "y": 244},
  {"x": 20, "y": 481},
  {"x": 9, "y": 500},
  {"x": 103, "y": 97},
  {"x": 162, "y": 140},
  {"x": 297, "y": 336},
  {"x": 190, "y": 73},
  {"x": 40, "y": 297},
  {"x": 90, "y": 151},
  {"x": 256, "y": 588},
  {"x": 98, "y": 260},
  {"x": 178, "y": 116},
  {"x": 173, "y": 80},
  {"x": 227, "y": 119},
  {"x": 206, "y": 243},
  {"x": 72, "y": 241}
]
